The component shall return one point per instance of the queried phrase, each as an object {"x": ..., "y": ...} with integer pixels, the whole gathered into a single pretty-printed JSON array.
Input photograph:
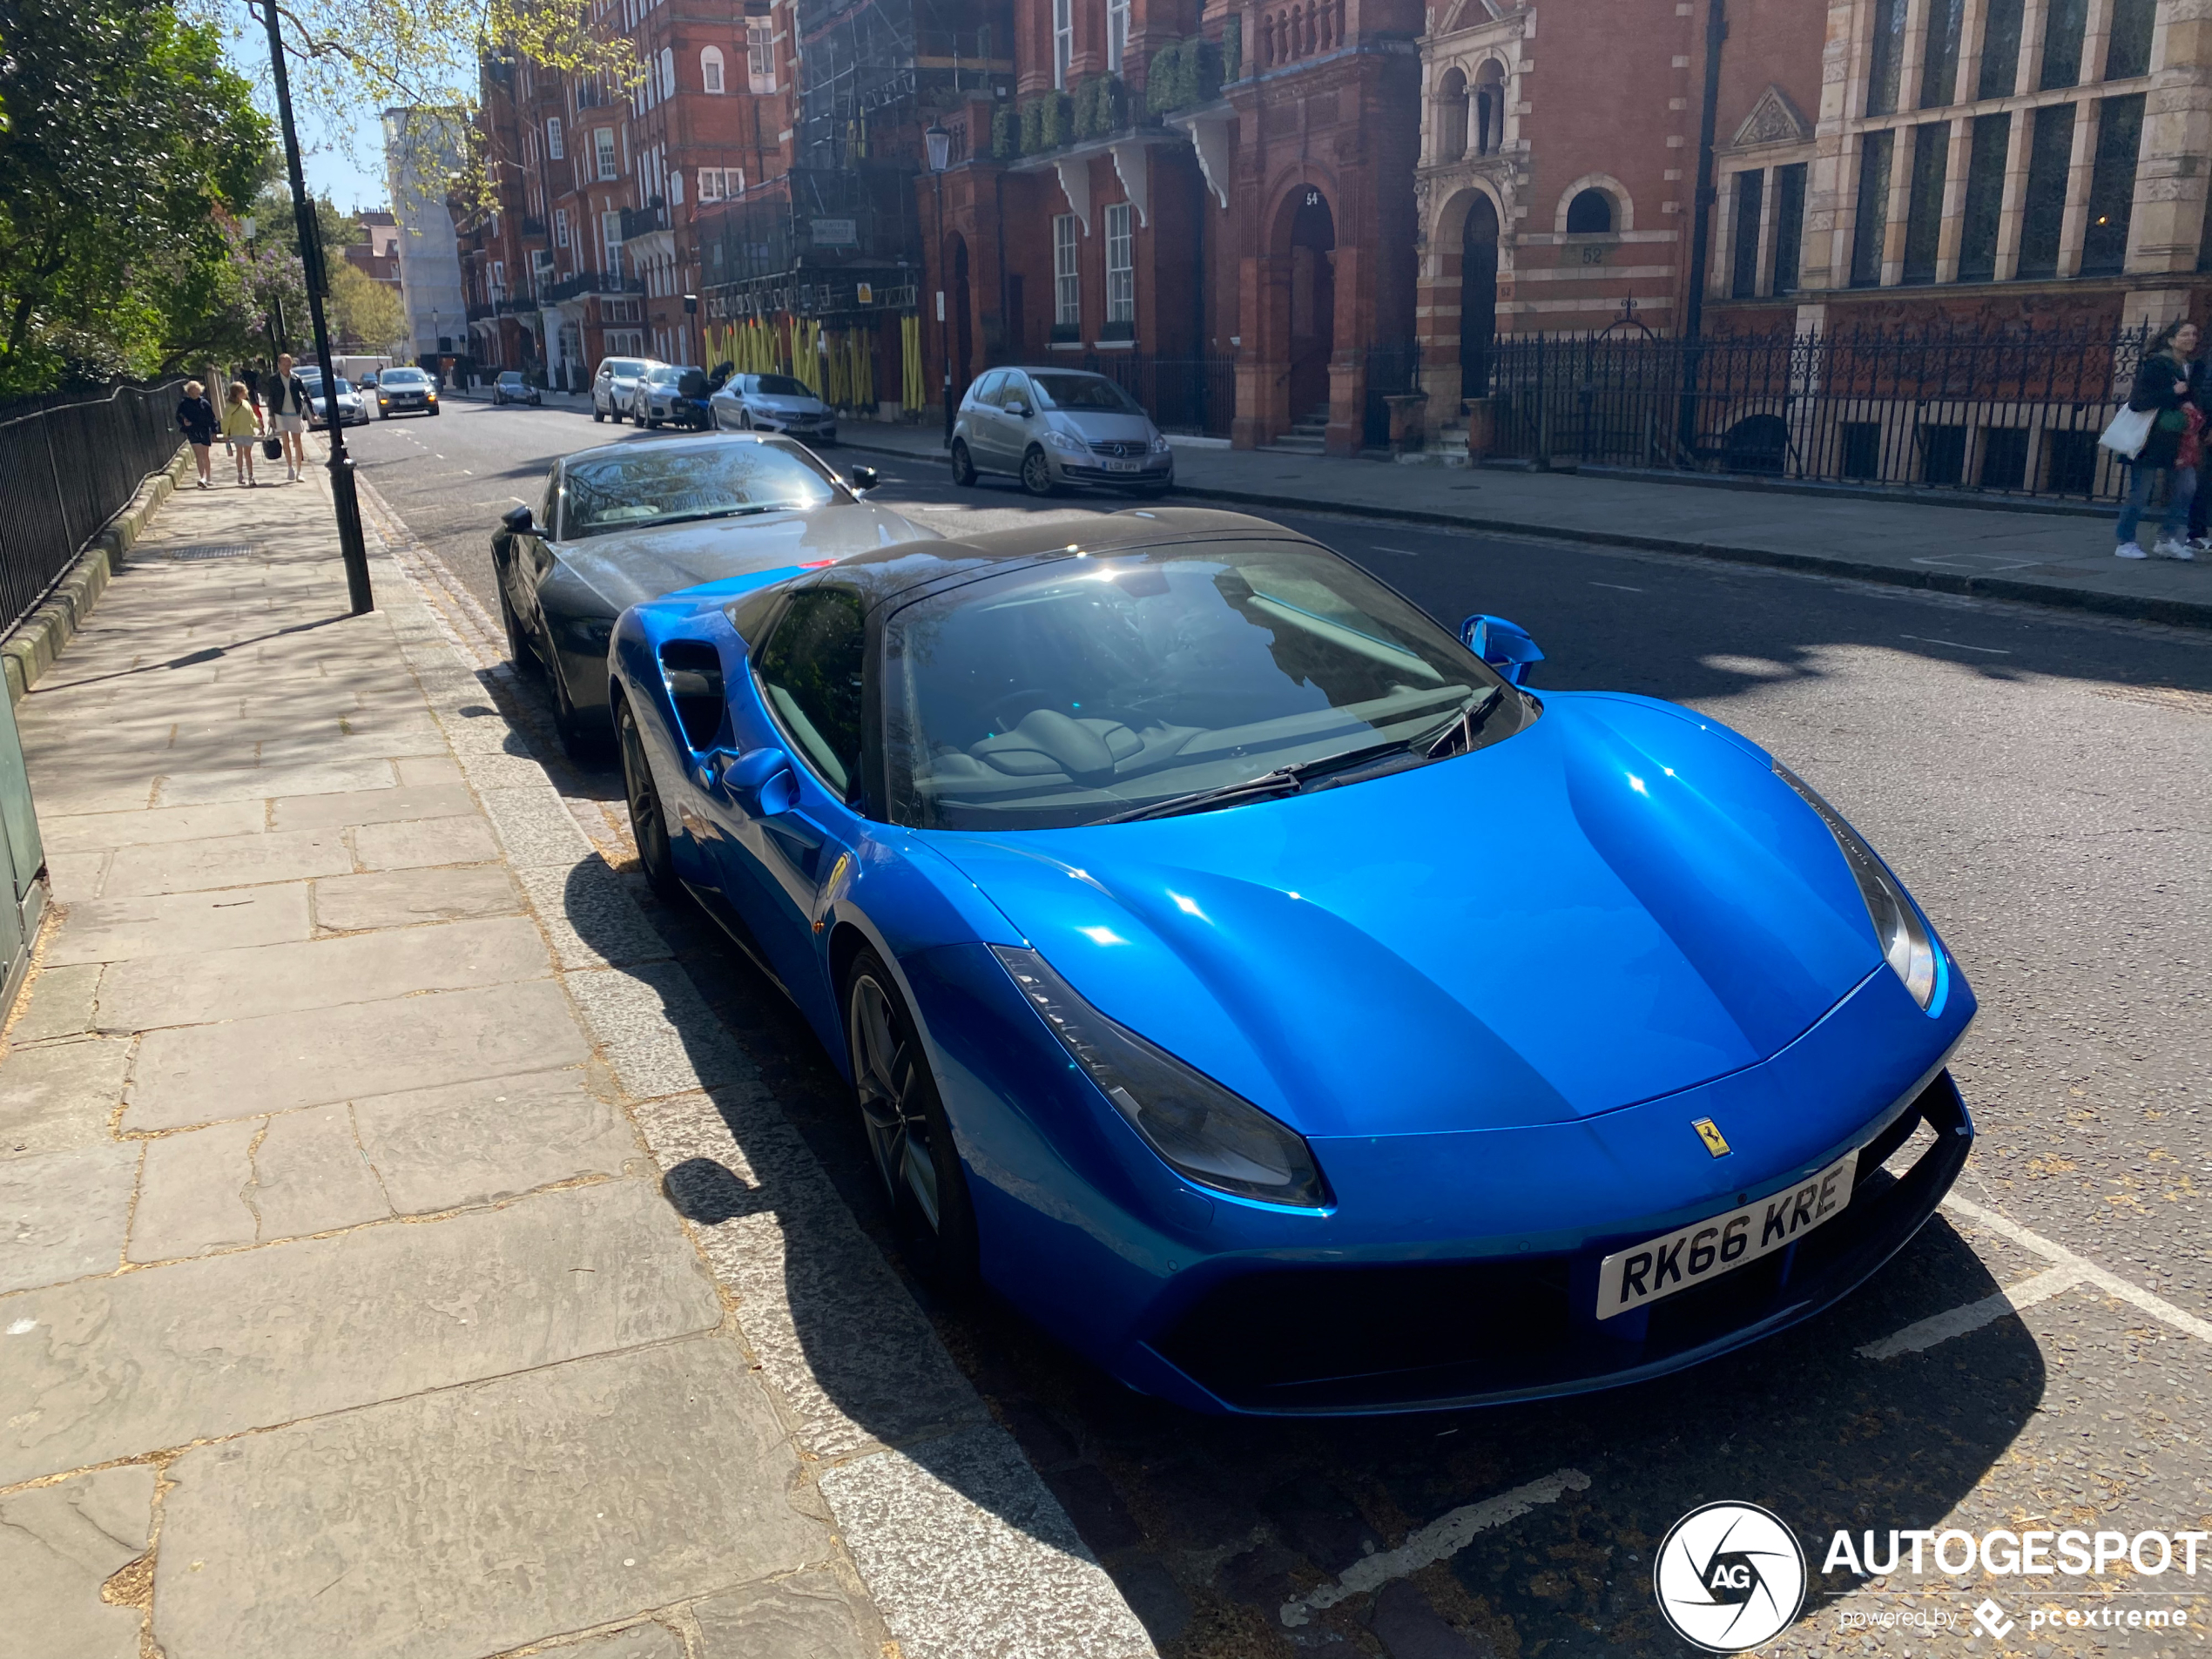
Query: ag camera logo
[{"x": 1729, "y": 1576}]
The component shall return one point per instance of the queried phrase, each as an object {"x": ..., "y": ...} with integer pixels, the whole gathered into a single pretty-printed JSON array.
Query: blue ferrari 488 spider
[{"x": 1273, "y": 997}]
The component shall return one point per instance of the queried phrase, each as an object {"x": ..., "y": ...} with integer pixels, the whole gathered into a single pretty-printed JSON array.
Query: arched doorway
[
  {"x": 1313, "y": 303},
  {"x": 1478, "y": 296}
]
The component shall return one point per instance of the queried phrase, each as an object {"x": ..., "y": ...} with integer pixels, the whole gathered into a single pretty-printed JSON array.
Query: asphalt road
[{"x": 2040, "y": 778}]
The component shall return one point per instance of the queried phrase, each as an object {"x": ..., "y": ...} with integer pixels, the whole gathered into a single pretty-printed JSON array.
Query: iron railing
[
  {"x": 69, "y": 462},
  {"x": 2011, "y": 416}
]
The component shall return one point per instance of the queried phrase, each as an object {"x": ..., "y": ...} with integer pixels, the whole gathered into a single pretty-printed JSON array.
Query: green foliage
[
  {"x": 1102, "y": 106},
  {"x": 365, "y": 314},
  {"x": 1232, "y": 48},
  {"x": 129, "y": 146},
  {"x": 1033, "y": 126},
  {"x": 1006, "y": 133},
  {"x": 1182, "y": 75},
  {"x": 1057, "y": 125}
]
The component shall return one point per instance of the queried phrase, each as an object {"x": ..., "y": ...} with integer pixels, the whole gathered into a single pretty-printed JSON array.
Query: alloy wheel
[
  {"x": 885, "y": 1074},
  {"x": 648, "y": 822},
  {"x": 1036, "y": 474}
]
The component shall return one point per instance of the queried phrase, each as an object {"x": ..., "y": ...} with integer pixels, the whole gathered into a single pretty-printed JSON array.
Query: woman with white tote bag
[{"x": 2156, "y": 422}]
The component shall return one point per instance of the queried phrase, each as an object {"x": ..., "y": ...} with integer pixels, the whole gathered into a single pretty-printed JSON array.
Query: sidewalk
[
  {"x": 2055, "y": 559},
  {"x": 404, "y": 1261}
]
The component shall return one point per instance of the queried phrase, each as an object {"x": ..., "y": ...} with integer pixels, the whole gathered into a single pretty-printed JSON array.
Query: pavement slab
[
  {"x": 194, "y": 1194},
  {"x": 63, "y": 1215},
  {"x": 414, "y": 842},
  {"x": 404, "y": 898},
  {"x": 808, "y": 1616},
  {"x": 638, "y": 1641},
  {"x": 307, "y": 776},
  {"x": 369, "y": 806},
  {"x": 535, "y": 826},
  {"x": 311, "y": 1175},
  {"x": 59, "y": 1545},
  {"x": 259, "y": 980},
  {"x": 197, "y": 1349},
  {"x": 113, "y": 930},
  {"x": 94, "y": 830},
  {"x": 468, "y": 1522},
  {"x": 590, "y": 916},
  {"x": 204, "y": 1074},
  {"x": 477, "y": 1143},
  {"x": 60, "y": 1094},
  {"x": 226, "y": 861},
  {"x": 57, "y": 1002}
]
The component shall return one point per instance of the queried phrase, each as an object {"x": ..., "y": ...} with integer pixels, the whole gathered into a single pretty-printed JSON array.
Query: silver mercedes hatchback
[{"x": 1051, "y": 427}]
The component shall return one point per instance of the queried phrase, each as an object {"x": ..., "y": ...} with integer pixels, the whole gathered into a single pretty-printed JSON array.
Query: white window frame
[
  {"x": 668, "y": 71},
  {"x": 553, "y": 148},
  {"x": 760, "y": 56},
  {"x": 610, "y": 235},
  {"x": 1121, "y": 263},
  {"x": 560, "y": 227},
  {"x": 710, "y": 76},
  {"x": 710, "y": 183},
  {"x": 1116, "y": 34},
  {"x": 603, "y": 151},
  {"x": 1063, "y": 42},
  {"x": 1066, "y": 271}
]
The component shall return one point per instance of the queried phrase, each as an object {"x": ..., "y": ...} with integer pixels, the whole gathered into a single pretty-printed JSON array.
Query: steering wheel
[{"x": 1038, "y": 697}]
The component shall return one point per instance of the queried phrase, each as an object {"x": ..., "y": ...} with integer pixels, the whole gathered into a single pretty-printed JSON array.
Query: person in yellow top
[{"x": 241, "y": 430}]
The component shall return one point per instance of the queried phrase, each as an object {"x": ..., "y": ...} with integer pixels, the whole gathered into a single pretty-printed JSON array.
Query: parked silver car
[
  {"x": 614, "y": 388},
  {"x": 1053, "y": 426},
  {"x": 624, "y": 523},
  {"x": 674, "y": 392},
  {"x": 773, "y": 403}
]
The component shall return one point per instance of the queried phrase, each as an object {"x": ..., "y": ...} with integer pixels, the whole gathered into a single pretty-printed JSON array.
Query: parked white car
[
  {"x": 614, "y": 387},
  {"x": 773, "y": 403}
]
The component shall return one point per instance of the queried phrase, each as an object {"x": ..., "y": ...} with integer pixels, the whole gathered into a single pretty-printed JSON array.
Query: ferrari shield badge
[{"x": 1710, "y": 1132}]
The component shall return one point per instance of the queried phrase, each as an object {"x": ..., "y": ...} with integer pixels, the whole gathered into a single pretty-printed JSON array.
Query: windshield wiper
[
  {"x": 1464, "y": 725},
  {"x": 1283, "y": 780}
]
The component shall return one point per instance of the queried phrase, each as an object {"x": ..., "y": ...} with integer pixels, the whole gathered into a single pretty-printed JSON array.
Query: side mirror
[
  {"x": 762, "y": 781},
  {"x": 1017, "y": 409},
  {"x": 1505, "y": 646},
  {"x": 516, "y": 519},
  {"x": 861, "y": 479}
]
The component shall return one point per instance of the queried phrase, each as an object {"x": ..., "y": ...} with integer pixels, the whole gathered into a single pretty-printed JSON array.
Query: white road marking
[
  {"x": 1402, "y": 552},
  {"x": 1941, "y": 1327},
  {"x": 2071, "y": 1270},
  {"x": 1442, "y": 1538},
  {"x": 1622, "y": 586},
  {"x": 1955, "y": 644}
]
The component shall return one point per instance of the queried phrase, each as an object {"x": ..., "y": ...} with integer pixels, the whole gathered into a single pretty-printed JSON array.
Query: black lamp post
[
  {"x": 351, "y": 547},
  {"x": 941, "y": 154}
]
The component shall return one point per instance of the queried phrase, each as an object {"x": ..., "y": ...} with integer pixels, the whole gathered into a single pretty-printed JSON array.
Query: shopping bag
[
  {"x": 2129, "y": 431},
  {"x": 271, "y": 448}
]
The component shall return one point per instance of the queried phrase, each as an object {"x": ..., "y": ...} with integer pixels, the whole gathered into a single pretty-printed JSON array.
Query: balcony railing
[
  {"x": 582, "y": 282},
  {"x": 644, "y": 221},
  {"x": 533, "y": 226},
  {"x": 481, "y": 309}
]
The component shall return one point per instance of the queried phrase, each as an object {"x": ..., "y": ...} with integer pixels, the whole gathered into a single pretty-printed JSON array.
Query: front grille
[
  {"x": 1404, "y": 1335},
  {"x": 1123, "y": 449}
]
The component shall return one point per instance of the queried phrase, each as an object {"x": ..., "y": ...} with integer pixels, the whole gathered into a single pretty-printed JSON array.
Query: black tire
[
  {"x": 910, "y": 1139},
  {"x": 1036, "y": 474},
  {"x": 614, "y": 413},
  {"x": 579, "y": 741},
  {"x": 648, "y": 820},
  {"x": 519, "y": 650},
  {"x": 433, "y": 414},
  {"x": 652, "y": 423},
  {"x": 963, "y": 465},
  {"x": 598, "y": 415}
]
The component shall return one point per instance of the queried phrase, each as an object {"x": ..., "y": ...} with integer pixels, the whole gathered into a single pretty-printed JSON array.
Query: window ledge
[
  {"x": 1114, "y": 345},
  {"x": 1066, "y": 345}
]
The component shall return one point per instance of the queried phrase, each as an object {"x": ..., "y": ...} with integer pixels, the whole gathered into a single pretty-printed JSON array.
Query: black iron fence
[
  {"x": 2017, "y": 416},
  {"x": 1192, "y": 395},
  {"x": 68, "y": 463}
]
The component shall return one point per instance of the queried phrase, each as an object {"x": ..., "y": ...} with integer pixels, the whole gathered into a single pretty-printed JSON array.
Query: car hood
[
  {"x": 783, "y": 405},
  {"x": 1616, "y": 903},
  {"x": 628, "y": 569}
]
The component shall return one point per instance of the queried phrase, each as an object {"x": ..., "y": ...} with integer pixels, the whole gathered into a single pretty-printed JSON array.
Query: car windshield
[
  {"x": 664, "y": 376},
  {"x": 403, "y": 377},
  {"x": 639, "y": 487},
  {"x": 625, "y": 368},
  {"x": 1092, "y": 689},
  {"x": 511, "y": 379},
  {"x": 1088, "y": 394},
  {"x": 777, "y": 386},
  {"x": 344, "y": 386}
]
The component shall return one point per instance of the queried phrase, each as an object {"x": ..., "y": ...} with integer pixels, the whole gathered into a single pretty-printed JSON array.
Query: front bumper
[
  {"x": 1453, "y": 1269},
  {"x": 1157, "y": 472}
]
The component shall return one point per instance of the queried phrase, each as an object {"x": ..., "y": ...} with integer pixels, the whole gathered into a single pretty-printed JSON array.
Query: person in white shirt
[{"x": 288, "y": 412}]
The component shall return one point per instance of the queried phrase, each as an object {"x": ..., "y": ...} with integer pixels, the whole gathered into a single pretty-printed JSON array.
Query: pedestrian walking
[
  {"x": 288, "y": 408},
  {"x": 2163, "y": 390},
  {"x": 242, "y": 431},
  {"x": 196, "y": 418}
]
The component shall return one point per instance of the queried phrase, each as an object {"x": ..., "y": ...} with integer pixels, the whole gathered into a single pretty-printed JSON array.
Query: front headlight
[
  {"x": 1201, "y": 1129},
  {"x": 1066, "y": 441},
  {"x": 1159, "y": 444},
  {"x": 1904, "y": 937}
]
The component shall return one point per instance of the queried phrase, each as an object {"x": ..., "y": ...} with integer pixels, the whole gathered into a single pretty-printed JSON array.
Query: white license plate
[
  {"x": 1704, "y": 1250},
  {"x": 1125, "y": 466}
]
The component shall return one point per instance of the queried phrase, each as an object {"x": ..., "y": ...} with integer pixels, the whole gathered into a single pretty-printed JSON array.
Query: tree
[
  {"x": 365, "y": 314},
  {"x": 129, "y": 148}
]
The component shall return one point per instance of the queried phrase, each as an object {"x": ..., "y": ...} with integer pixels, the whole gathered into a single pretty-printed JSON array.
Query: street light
[
  {"x": 939, "y": 143},
  {"x": 351, "y": 548}
]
